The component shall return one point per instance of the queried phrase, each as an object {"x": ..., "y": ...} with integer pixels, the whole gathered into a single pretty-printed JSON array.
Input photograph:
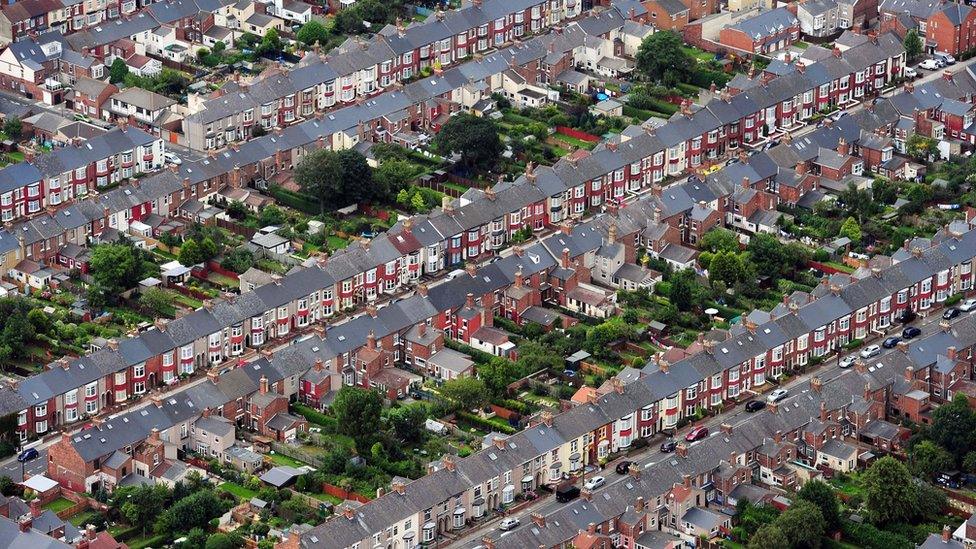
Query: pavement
[{"x": 651, "y": 456}]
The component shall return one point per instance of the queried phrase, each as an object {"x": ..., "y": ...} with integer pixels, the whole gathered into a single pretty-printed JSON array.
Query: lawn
[
  {"x": 698, "y": 54},
  {"x": 186, "y": 300},
  {"x": 59, "y": 505},
  {"x": 280, "y": 459},
  {"x": 222, "y": 280},
  {"x": 326, "y": 497},
  {"x": 847, "y": 485},
  {"x": 336, "y": 243},
  {"x": 83, "y": 518},
  {"x": 573, "y": 141},
  {"x": 238, "y": 491}
]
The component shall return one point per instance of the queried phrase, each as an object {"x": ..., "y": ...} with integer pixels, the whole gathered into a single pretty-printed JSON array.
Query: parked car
[
  {"x": 569, "y": 373},
  {"x": 697, "y": 433},
  {"x": 950, "y": 313},
  {"x": 967, "y": 306},
  {"x": 567, "y": 492},
  {"x": 945, "y": 58},
  {"x": 755, "y": 405},
  {"x": 870, "y": 351},
  {"x": 910, "y": 73},
  {"x": 930, "y": 65},
  {"x": 847, "y": 361},
  {"x": 907, "y": 316},
  {"x": 890, "y": 342},
  {"x": 508, "y": 523},
  {"x": 623, "y": 467},
  {"x": 29, "y": 454},
  {"x": 668, "y": 446},
  {"x": 593, "y": 483},
  {"x": 911, "y": 332},
  {"x": 949, "y": 479},
  {"x": 172, "y": 158},
  {"x": 777, "y": 395}
]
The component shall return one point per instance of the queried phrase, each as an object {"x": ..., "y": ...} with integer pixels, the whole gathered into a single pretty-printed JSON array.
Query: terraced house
[{"x": 361, "y": 68}]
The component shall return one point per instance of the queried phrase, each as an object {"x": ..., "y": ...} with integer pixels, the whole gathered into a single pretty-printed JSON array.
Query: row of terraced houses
[{"x": 469, "y": 229}]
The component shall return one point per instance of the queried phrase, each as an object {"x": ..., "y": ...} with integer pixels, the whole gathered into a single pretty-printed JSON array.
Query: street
[{"x": 652, "y": 455}]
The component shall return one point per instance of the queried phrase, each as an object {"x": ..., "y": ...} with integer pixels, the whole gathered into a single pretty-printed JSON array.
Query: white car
[
  {"x": 870, "y": 351},
  {"x": 777, "y": 395},
  {"x": 847, "y": 361},
  {"x": 594, "y": 482},
  {"x": 508, "y": 523},
  {"x": 910, "y": 73},
  {"x": 172, "y": 158},
  {"x": 967, "y": 306},
  {"x": 945, "y": 58},
  {"x": 930, "y": 65}
]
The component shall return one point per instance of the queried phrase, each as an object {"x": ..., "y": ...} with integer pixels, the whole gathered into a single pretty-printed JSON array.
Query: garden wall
[{"x": 572, "y": 132}]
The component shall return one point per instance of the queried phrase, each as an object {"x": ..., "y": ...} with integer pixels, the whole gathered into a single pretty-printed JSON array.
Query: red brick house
[
  {"x": 667, "y": 14},
  {"x": 951, "y": 29},
  {"x": 766, "y": 32},
  {"x": 264, "y": 405},
  {"x": 90, "y": 95}
]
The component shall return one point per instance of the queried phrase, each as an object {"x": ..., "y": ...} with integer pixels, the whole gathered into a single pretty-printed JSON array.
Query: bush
[
  {"x": 485, "y": 424},
  {"x": 953, "y": 299},
  {"x": 318, "y": 418},
  {"x": 870, "y": 537}
]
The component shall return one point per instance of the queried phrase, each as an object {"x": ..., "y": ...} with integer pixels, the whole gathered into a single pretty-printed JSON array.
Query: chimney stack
[{"x": 264, "y": 385}]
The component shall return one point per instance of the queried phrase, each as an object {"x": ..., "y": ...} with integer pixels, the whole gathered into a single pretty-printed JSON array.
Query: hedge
[
  {"x": 295, "y": 200},
  {"x": 317, "y": 418},
  {"x": 486, "y": 424},
  {"x": 870, "y": 537},
  {"x": 953, "y": 299},
  {"x": 703, "y": 78}
]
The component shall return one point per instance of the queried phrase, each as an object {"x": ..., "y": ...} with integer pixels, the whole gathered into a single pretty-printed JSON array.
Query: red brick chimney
[
  {"x": 264, "y": 385},
  {"x": 319, "y": 365},
  {"x": 422, "y": 290},
  {"x": 951, "y": 352},
  {"x": 539, "y": 520},
  {"x": 371, "y": 340},
  {"x": 469, "y": 301},
  {"x": 843, "y": 148}
]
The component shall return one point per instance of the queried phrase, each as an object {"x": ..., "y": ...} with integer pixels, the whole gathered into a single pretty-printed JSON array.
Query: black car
[
  {"x": 907, "y": 316},
  {"x": 755, "y": 405},
  {"x": 950, "y": 313},
  {"x": 567, "y": 492},
  {"x": 890, "y": 342},
  {"x": 27, "y": 455},
  {"x": 910, "y": 332},
  {"x": 668, "y": 446},
  {"x": 623, "y": 467}
]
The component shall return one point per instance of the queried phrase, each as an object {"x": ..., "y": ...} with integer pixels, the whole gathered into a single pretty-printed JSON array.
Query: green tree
[
  {"x": 726, "y": 267},
  {"x": 418, "y": 203},
  {"x": 929, "y": 503},
  {"x": 142, "y": 504},
  {"x": 769, "y": 537},
  {"x": 357, "y": 412},
  {"x": 393, "y": 175},
  {"x": 118, "y": 267},
  {"x": 889, "y": 491},
  {"x": 969, "y": 462},
  {"x": 224, "y": 541},
  {"x": 681, "y": 295},
  {"x": 40, "y": 321},
  {"x": 239, "y": 260},
  {"x": 954, "y": 427},
  {"x": 719, "y": 240},
  {"x": 13, "y": 127},
  {"x": 467, "y": 393},
  {"x": 271, "y": 215},
  {"x": 190, "y": 253},
  {"x": 270, "y": 43},
  {"x": 927, "y": 458},
  {"x": 599, "y": 337},
  {"x": 822, "y": 495},
  {"x": 156, "y": 300},
  {"x": 335, "y": 179},
  {"x": 195, "y": 539},
  {"x": 312, "y": 32},
  {"x": 661, "y": 58},
  {"x": 118, "y": 71},
  {"x": 408, "y": 422},
  {"x": 921, "y": 147},
  {"x": 208, "y": 249},
  {"x": 913, "y": 44},
  {"x": 803, "y": 525},
  {"x": 851, "y": 229},
  {"x": 497, "y": 374},
  {"x": 474, "y": 138},
  {"x": 193, "y": 511}
]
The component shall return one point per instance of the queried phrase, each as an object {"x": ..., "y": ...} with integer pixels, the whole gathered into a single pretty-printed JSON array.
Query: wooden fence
[
  {"x": 342, "y": 493},
  {"x": 439, "y": 187},
  {"x": 236, "y": 228}
]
